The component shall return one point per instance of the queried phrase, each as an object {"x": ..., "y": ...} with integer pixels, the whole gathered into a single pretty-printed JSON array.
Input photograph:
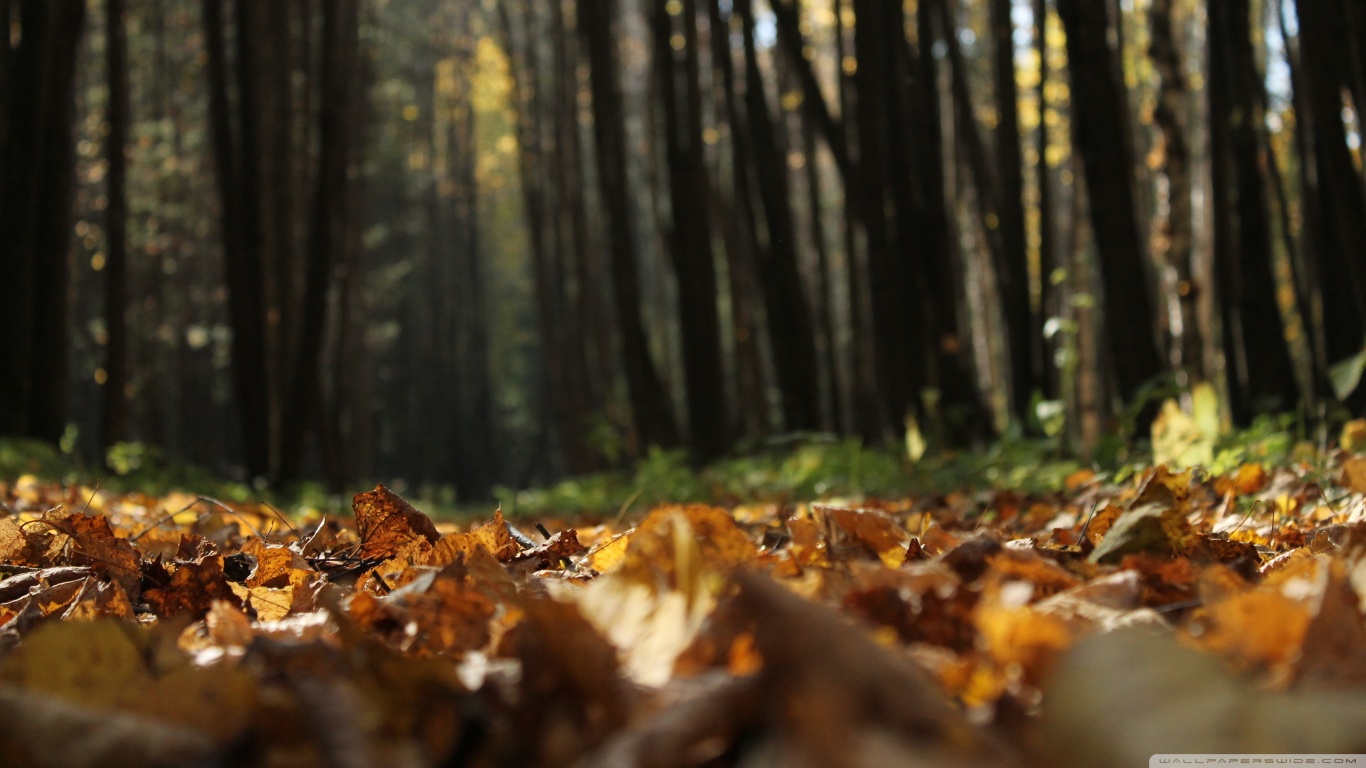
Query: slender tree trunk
[
  {"x": 584, "y": 349},
  {"x": 235, "y": 147},
  {"x": 1101, "y": 136},
  {"x": 327, "y": 227},
  {"x": 689, "y": 235},
  {"x": 1261, "y": 375},
  {"x": 1172, "y": 237},
  {"x": 789, "y": 319},
  {"x": 652, "y": 412},
  {"x": 1049, "y": 261},
  {"x": 1022, "y": 328},
  {"x": 742, "y": 241},
  {"x": 962, "y": 415},
  {"x": 115, "y": 411},
  {"x": 529, "y": 117}
]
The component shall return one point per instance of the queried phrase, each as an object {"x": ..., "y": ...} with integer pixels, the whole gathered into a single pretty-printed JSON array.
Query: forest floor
[{"x": 1095, "y": 622}]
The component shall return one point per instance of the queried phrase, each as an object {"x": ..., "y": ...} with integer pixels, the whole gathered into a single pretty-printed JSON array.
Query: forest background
[{"x": 463, "y": 244}]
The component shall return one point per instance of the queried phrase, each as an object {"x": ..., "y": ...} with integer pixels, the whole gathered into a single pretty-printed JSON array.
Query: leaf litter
[{"x": 1094, "y": 626}]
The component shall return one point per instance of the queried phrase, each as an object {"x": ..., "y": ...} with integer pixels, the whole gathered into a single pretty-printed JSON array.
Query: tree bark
[
  {"x": 1333, "y": 192},
  {"x": 651, "y": 410},
  {"x": 1260, "y": 372},
  {"x": 1023, "y": 329},
  {"x": 1100, "y": 134},
  {"x": 331, "y": 205},
  {"x": 689, "y": 235},
  {"x": 789, "y": 327},
  {"x": 740, "y": 229},
  {"x": 115, "y": 399},
  {"x": 1172, "y": 236},
  {"x": 37, "y": 189}
]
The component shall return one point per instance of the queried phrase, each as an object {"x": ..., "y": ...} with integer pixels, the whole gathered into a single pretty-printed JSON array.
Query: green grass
[{"x": 806, "y": 468}]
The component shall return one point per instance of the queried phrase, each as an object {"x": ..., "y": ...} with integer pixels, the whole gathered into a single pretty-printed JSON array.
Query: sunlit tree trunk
[{"x": 1172, "y": 237}]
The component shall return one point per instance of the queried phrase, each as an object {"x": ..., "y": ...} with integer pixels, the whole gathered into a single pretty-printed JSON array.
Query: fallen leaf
[{"x": 386, "y": 523}]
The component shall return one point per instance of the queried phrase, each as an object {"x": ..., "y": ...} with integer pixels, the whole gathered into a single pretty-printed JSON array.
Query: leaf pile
[{"x": 1178, "y": 613}]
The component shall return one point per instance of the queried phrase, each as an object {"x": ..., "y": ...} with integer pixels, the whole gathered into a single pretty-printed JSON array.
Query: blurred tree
[
  {"x": 1261, "y": 376},
  {"x": 37, "y": 188},
  {"x": 115, "y": 422},
  {"x": 650, "y": 408},
  {"x": 1102, "y": 138},
  {"x": 689, "y": 235}
]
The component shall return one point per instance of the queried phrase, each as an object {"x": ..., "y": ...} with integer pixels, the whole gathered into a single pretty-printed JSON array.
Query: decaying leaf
[{"x": 387, "y": 522}]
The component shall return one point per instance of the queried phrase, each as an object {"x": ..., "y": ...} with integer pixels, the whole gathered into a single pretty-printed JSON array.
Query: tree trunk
[
  {"x": 327, "y": 228},
  {"x": 740, "y": 229},
  {"x": 1172, "y": 236},
  {"x": 37, "y": 188},
  {"x": 962, "y": 415},
  {"x": 235, "y": 142},
  {"x": 651, "y": 410},
  {"x": 115, "y": 398},
  {"x": 1023, "y": 330},
  {"x": 789, "y": 320},
  {"x": 1333, "y": 193},
  {"x": 1100, "y": 134},
  {"x": 1049, "y": 260},
  {"x": 1261, "y": 376},
  {"x": 689, "y": 235}
]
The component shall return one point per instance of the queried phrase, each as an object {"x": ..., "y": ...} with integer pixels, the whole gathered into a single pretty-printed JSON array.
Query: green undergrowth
[
  {"x": 815, "y": 469},
  {"x": 798, "y": 469}
]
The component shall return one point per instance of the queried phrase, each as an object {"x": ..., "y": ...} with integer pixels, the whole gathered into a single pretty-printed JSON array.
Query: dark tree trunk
[
  {"x": 962, "y": 415},
  {"x": 529, "y": 117},
  {"x": 587, "y": 348},
  {"x": 789, "y": 319},
  {"x": 331, "y": 205},
  {"x": 235, "y": 144},
  {"x": 1333, "y": 192},
  {"x": 1023, "y": 330},
  {"x": 1006, "y": 248},
  {"x": 1261, "y": 376},
  {"x": 476, "y": 442},
  {"x": 115, "y": 410},
  {"x": 868, "y": 404},
  {"x": 890, "y": 286},
  {"x": 1100, "y": 133},
  {"x": 37, "y": 188},
  {"x": 689, "y": 235},
  {"x": 651, "y": 410},
  {"x": 740, "y": 228},
  {"x": 813, "y": 99}
]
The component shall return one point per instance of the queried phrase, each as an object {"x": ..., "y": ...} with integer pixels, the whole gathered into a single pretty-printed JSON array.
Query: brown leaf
[
  {"x": 493, "y": 537},
  {"x": 90, "y": 541},
  {"x": 192, "y": 589},
  {"x": 386, "y": 523}
]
